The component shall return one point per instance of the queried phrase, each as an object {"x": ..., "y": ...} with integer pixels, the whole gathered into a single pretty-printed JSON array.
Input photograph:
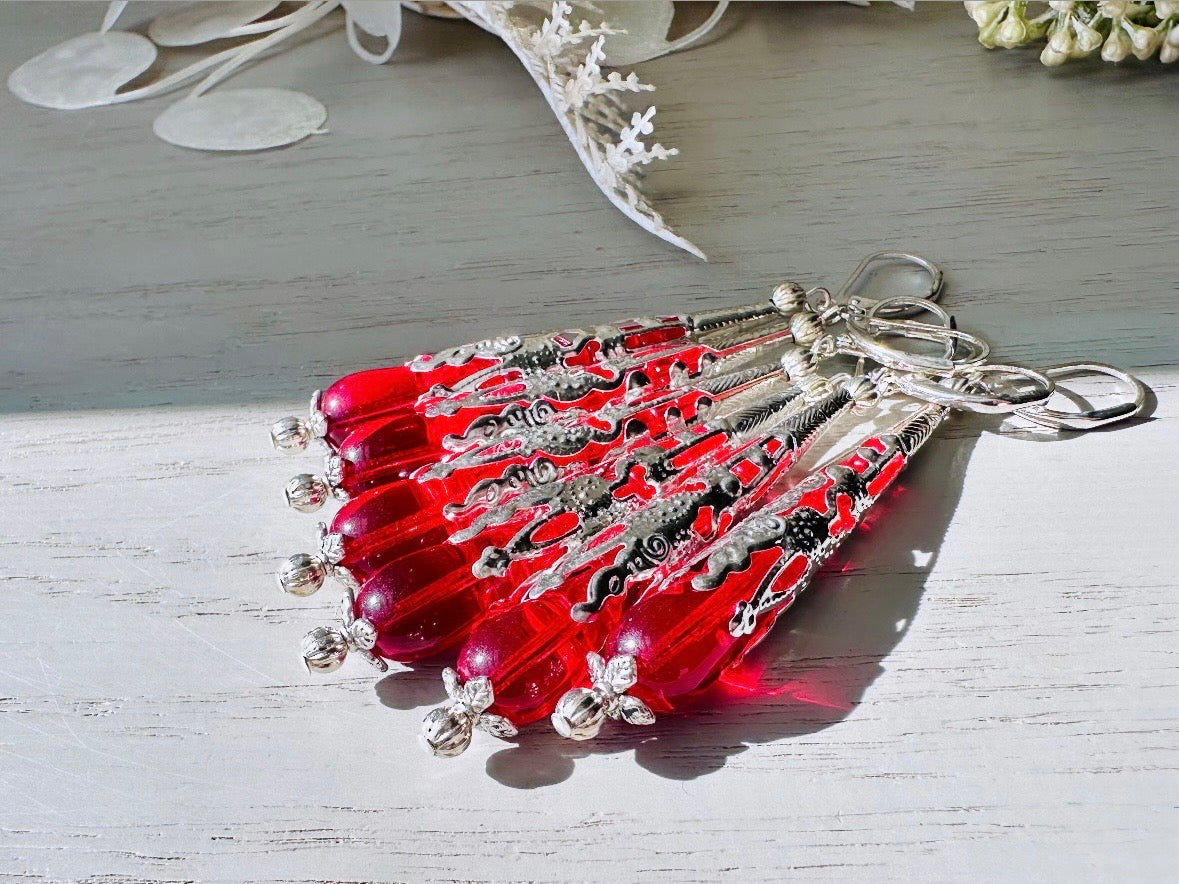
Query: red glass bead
[
  {"x": 424, "y": 602},
  {"x": 386, "y": 523},
  {"x": 680, "y": 637},
  {"x": 373, "y": 393},
  {"x": 533, "y": 651},
  {"x": 382, "y": 451}
]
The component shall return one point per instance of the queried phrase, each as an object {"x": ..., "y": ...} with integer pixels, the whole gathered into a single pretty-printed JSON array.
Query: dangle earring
[
  {"x": 698, "y": 621},
  {"x": 619, "y": 495}
]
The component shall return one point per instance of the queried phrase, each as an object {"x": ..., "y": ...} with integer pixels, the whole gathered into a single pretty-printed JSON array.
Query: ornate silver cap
[
  {"x": 302, "y": 574},
  {"x": 290, "y": 434},
  {"x": 326, "y": 647},
  {"x": 447, "y": 730},
  {"x": 581, "y": 711},
  {"x": 306, "y": 493}
]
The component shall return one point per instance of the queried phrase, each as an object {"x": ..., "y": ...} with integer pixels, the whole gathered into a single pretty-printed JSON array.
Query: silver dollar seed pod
[
  {"x": 446, "y": 733},
  {"x": 290, "y": 434},
  {"x": 324, "y": 649},
  {"x": 579, "y": 714},
  {"x": 306, "y": 493},
  {"x": 302, "y": 574}
]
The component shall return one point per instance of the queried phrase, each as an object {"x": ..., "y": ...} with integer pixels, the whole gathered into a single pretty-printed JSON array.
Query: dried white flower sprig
[
  {"x": 564, "y": 55},
  {"x": 1118, "y": 28},
  {"x": 588, "y": 105}
]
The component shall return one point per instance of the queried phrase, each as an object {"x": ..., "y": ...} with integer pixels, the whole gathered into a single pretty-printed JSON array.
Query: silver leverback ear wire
[
  {"x": 1093, "y": 418},
  {"x": 897, "y": 311}
]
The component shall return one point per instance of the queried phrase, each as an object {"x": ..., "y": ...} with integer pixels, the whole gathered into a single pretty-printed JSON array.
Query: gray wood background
[{"x": 984, "y": 688}]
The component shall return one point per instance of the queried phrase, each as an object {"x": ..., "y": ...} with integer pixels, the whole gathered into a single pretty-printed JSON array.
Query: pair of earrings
[{"x": 604, "y": 520}]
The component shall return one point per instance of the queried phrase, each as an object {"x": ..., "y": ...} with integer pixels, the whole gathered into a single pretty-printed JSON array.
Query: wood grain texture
[{"x": 982, "y": 688}]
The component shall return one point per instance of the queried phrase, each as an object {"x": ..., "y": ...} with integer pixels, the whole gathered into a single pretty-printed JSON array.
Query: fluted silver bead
[
  {"x": 788, "y": 297},
  {"x": 290, "y": 434},
  {"x": 446, "y": 733},
  {"x": 306, "y": 493},
  {"x": 806, "y": 327},
  {"x": 302, "y": 574},
  {"x": 796, "y": 362},
  {"x": 324, "y": 649},
  {"x": 579, "y": 714}
]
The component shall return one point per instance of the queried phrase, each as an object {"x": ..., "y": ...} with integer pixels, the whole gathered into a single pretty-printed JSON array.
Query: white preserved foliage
[
  {"x": 1116, "y": 28},
  {"x": 565, "y": 61},
  {"x": 564, "y": 58}
]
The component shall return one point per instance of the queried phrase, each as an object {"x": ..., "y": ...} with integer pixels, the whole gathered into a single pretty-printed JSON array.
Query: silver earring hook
[
  {"x": 1095, "y": 417},
  {"x": 898, "y": 311},
  {"x": 969, "y": 390},
  {"x": 962, "y": 350}
]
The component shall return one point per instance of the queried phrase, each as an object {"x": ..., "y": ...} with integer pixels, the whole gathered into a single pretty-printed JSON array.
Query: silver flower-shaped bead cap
[
  {"x": 447, "y": 730},
  {"x": 581, "y": 712},
  {"x": 326, "y": 647}
]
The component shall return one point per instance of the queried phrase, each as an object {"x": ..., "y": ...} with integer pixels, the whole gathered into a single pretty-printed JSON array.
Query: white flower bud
[
  {"x": 1012, "y": 33},
  {"x": 984, "y": 13},
  {"x": 1143, "y": 40},
  {"x": 1117, "y": 46},
  {"x": 1088, "y": 39}
]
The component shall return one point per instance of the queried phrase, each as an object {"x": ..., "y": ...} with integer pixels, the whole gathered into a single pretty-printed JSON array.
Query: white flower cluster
[
  {"x": 1075, "y": 28},
  {"x": 588, "y": 105}
]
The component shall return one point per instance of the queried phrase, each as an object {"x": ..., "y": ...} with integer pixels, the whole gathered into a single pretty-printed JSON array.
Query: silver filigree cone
[
  {"x": 581, "y": 712},
  {"x": 447, "y": 730},
  {"x": 326, "y": 647}
]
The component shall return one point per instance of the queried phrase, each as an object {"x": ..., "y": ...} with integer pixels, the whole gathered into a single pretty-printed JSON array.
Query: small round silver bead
[
  {"x": 579, "y": 714},
  {"x": 788, "y": 297},
  {"x": 324, "y": 649},
  {"x": 446, "y": 733},
  {"x": 796, "y": 362},
  {"x": 302, "y": 574},
  {"x": 806, "y": 327},
  {"x": 290, "y": 434},
  {"x": 306, "y": 493}
]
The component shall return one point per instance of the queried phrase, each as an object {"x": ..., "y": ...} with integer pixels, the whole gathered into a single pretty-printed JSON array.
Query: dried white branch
[{"x": 586, "y": 103}]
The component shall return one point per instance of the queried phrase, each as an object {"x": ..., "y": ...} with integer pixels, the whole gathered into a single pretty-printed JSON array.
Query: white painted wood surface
[{"x": 987, "y": 691}]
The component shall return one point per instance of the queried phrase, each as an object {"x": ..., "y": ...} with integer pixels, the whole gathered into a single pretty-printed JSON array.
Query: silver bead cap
[
  {"x": 290, "y": 434},
  {"x": 580, "y": 712},
  {"x": 306, "y": 493},
  {"x": 447, "y": 730},
  {"x": 302, "y": 574}
]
